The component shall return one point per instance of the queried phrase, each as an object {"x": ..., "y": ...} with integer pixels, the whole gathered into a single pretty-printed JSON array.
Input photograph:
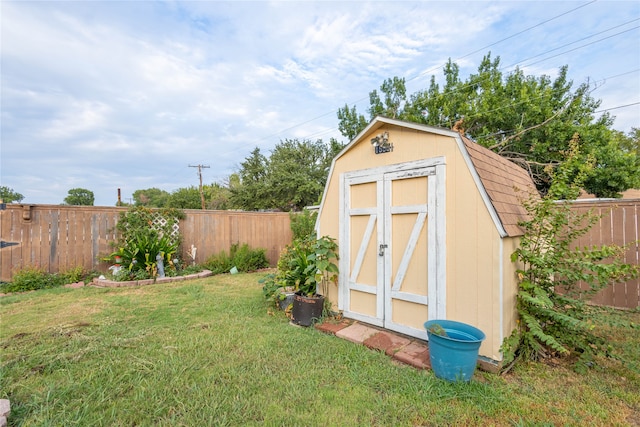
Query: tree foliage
[
  {"x": 350, "y": 123},
  {"x": 151, "y": 197},
  {"x": 79, "y": 197},
  {"x": 7, "y": 195},
  {"x": 292, "y": 177},
  {"x": 525, "y": 118},
  {"x": 251, "y": 191},
  {"x": 185, "y": 198},
  {"x": 395, "y": 94},
  {"x": 216, "y": 197}
]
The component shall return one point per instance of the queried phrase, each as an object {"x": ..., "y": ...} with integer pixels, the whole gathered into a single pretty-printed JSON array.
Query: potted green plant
[
  {"x": 279, "y": 287},
  {"x": 314, "y": 269}
]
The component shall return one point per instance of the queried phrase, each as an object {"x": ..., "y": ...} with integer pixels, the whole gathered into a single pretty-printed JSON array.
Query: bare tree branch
[{"x": 504, "y": 142}]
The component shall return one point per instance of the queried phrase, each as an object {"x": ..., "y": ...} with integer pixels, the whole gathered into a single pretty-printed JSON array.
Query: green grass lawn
[{"x": 211, "y": 352}]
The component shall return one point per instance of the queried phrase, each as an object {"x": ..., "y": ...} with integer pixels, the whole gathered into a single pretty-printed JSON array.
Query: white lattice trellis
[{"x": 160, "y": 223}]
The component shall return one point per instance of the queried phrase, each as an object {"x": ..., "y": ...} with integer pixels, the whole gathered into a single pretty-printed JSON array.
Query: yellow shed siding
[
  {"x": 510, "y": 288},
  {"x": 480, "y": 279},
  {"x": 473, "y": 257}
]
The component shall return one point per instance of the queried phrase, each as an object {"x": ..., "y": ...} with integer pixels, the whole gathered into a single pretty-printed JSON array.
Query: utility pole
[{"x": 200, "y": 167}]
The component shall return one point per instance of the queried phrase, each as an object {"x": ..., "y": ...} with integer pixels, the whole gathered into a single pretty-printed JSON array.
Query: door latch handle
[{"x": 382, "y": 248}]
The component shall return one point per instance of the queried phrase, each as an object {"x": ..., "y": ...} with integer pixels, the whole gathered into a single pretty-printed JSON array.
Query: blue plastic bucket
[{"x": 455, "y": 356}]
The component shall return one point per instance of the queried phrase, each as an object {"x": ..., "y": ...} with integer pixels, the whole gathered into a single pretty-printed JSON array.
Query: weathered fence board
[
  {"x": 618, "y": 224},
  {"x": 59, "y": 237}
]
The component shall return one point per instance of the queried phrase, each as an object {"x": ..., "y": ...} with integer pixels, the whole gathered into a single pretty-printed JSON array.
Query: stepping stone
[
  {"x": 356, "y": 333},
  {"x": 331, "y": 328},
  {"x": 386, "y": 342},
  {"x": 414, "y": 354}
]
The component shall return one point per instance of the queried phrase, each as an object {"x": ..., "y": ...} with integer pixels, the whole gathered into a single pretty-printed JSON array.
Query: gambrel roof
[
  {"x": 506, "y": 184},
  {"x": 502, "y": 184}
]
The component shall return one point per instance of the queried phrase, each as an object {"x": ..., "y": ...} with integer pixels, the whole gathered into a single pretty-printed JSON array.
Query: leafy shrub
[
  {"x": 554, "y": 316},
  {"x": 142, "y": 239},
  {"x": 140, "y": 254},
  {"x": 247, "y": 259},
  {"x": 242, "y": 257},
  {"x": 303, "y": 224},
  {"x": 296, "y": 270},
  {"x": 31, "y": 278},
  {"x": 72, "y": 275},
  {"x": 270, "y": 286},
  {"x": 219, "y": 263},
  {"x": 303, "y": 266}
]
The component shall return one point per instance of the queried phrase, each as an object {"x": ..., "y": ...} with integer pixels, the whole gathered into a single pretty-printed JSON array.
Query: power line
[
  {"x": 619, "y": 106},
  {"x": 506, "y": 38},
  {"x": 560, "y": 47},
  {"x": 476, "y": 51},
  {"x": 437, "y": 68},
  {"x": 580, "y": 47},
  {"x": 577, "y": 41}
]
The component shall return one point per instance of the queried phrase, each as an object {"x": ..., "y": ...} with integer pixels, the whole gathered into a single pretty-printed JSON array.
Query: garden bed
[{"x": 106, "y": 283}]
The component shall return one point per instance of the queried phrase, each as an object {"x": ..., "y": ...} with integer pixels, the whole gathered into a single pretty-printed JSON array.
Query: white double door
[{"x": 392, "y": 265}]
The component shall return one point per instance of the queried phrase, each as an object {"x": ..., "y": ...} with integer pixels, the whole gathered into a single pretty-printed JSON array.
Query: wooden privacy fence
[
  {"x": 60, "y": 237},
  {"x": 618, "y": 225}
]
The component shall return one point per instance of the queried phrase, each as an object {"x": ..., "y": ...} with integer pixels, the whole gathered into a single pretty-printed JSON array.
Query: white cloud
[{"x": 106, "y": 94}]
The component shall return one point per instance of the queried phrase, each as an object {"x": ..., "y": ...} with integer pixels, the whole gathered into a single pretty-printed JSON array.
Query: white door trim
[{"x": 433, "y": 213}]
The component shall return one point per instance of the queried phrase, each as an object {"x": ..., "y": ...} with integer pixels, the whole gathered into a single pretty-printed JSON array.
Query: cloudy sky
[{"x": 129, "y": 94}]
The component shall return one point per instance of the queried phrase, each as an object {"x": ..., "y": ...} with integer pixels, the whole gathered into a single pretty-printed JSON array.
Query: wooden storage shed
[{"x": 426, "y": 222}]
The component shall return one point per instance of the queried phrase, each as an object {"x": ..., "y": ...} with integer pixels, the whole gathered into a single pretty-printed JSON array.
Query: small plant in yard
[
  {"x": 306, "y": 266},
  {"x": 139, "y": 254},
  {"x": 322, "y": 262},
  {"x": 303, "y": 224},
  {"x": 554, "y": 318},
  {"x": 32, "y": 277},
  {"x": 243, "y": 257},
  {"x": 270, "y": 286},
  {"x": 297, "y": 271}
]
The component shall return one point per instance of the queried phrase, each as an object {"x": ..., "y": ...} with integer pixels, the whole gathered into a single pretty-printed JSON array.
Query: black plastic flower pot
[{"x": 306, "y": 309}]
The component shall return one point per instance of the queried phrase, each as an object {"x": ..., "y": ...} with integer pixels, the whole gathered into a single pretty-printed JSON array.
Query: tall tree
[
  {"x": 613, "y": 162},
  {"x": 185, "y": 198},
  {"x": 252, "y": 193},
  {"x": 395, "y": 94},
  {"x": 297, "y": 173},
  {"x": 7, "y": 195},
  {"x": 528, "y": 119},
  {"x": 79, "y": 197},
  {"x": 350, "y": 123},
  {"x": 151, "y": 197},
  {"x": 217, "y": 196},
  {"x": 291, "y": 178}
]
